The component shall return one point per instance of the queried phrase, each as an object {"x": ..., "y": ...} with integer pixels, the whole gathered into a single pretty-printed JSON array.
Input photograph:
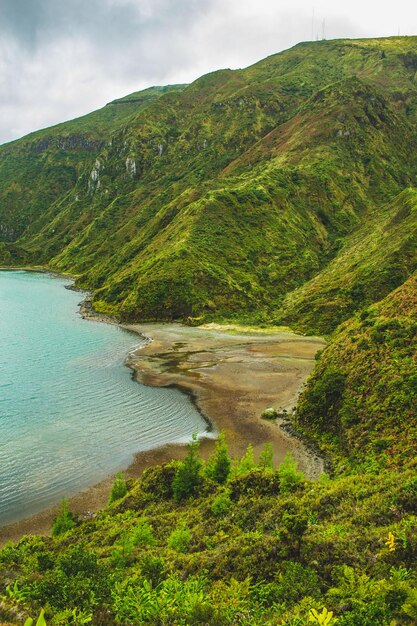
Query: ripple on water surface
[{"x": 70, "y": 412}]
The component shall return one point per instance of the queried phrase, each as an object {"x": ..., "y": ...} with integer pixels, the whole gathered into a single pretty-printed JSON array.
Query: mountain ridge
[{"x": 219, "y": 198}]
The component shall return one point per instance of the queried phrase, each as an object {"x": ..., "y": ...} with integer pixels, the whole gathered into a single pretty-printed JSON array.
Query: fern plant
[{"x": 39, "y": 622}]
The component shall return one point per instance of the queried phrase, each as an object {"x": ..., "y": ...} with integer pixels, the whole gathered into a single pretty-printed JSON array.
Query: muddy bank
[{"x": 232, "y": 375}]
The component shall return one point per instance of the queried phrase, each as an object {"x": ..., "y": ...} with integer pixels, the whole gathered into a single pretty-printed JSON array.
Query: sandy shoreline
[{"x": 232, "y": 376}]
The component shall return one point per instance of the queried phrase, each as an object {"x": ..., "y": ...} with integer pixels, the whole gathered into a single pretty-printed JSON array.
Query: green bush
[
  {"x": 152, "y": 568},
  {"x": 64, "y": 520},
  {"x": 218, "y": 465},
  {"x": 142, "y": 535},
  {"x": 180, "y": 539},
  {"x": 222, "y": 503},
  {"x": 119, "y": 488},
  {"x": 288, "y": 474},
  {"x": 188, "y": 476},
  {"x": 266, "y": 458}
]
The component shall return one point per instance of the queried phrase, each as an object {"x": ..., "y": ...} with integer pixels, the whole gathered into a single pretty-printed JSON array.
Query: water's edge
[
  {"x": 93, "y": 498},
  {"x": 202, "y": 425},
  {"x": 88, "y": 312}
]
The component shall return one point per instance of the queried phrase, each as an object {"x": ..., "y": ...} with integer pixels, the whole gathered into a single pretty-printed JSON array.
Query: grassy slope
[
  {"x": 361, "y": 400},
  {"x": 378, "y": 257},
  {"x": 256, "y": 552},
  {"x": 245, "y": 184},
  {"x": 43, "y": 167}
]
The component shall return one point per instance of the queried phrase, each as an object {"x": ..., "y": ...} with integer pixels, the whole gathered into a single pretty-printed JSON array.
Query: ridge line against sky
[{"x": 60, "y": 59}]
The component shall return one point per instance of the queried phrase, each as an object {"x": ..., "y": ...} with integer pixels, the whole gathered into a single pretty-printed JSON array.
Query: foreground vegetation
[{"x": 262, "y": 547}]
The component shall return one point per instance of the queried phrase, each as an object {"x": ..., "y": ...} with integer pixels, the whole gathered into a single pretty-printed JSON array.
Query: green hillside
[
  {"x": 221, "y": 198},
  {"x": 40, "y": 169},
  {"x": 361, "y": 401},
  {"x": 218, "y": 544},
  {"x": 283, "y": 192},
  {"x": 375, "y": 259}
]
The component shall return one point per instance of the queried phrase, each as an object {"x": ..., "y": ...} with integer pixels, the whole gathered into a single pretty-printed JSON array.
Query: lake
[{"x": 70, "y": 411}]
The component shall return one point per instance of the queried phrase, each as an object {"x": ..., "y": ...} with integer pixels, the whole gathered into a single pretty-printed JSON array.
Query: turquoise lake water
[{"x": 70, "y": 412}]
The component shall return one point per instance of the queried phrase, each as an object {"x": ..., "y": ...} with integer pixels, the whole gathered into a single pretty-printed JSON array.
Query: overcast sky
[{"x": 62, "y": 58}]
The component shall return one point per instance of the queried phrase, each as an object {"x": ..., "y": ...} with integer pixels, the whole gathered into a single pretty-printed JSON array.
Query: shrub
[
  {"x": 269, "y": 414},
  {"x": 143, "y": 535},
  {"x": 288, "y": 474},
  {"x": 173, "y": 601},
  {"x": 179, "y": 539},
  {"x": 188, "y": 475},
  {"x": 221, "y": 503},
  {"x": 218, "y": 465},
  {"x": 152, "y": 569},
  {"x": 119, "y": 489},
  {"x": 64, "y": 520},
  {"x": 245, "y": 464},
  {"x": 255, "y": 483},
  {"x": 266, "y": 458}
]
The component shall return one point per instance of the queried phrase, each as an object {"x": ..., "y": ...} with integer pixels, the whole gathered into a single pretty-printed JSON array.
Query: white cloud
[{"x": 60, "y": 60}]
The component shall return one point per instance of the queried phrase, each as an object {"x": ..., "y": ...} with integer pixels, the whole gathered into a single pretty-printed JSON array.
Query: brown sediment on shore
[{"x": 232, "y": 375}]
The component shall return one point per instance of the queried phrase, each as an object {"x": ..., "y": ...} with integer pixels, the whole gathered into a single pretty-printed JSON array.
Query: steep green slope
[
  {"x": 222, "y": 198},
  {"x": 41, "y": 168},
  {"x": 265, "y": 549},
  {"x": 360, "y": 402},
  {"x": 378, "y": 257}
]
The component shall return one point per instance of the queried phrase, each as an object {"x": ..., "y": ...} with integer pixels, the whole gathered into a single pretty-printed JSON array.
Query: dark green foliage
[
  {"x": 360, "y": 403},
  {"x": 64, "y": 520},
  {"x": 119, "y": 488},
  {"x": 323, "y": 399},
  {"x": 189, "y": 474},
  {"x": 218, "y": 466},
  {"x": 77, "y": 580}
]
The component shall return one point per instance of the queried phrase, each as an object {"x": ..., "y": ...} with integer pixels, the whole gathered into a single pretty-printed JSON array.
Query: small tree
[
  {"x": 179, "y": 539},
  {"x": 218, "y": 465},
  {"x": 64, "y": 521},
  {"x": 289, "y": 476},
  {"x": 188, "y": 475},
  {"x": 247, "y": 462},
  {"x": 266, "y": 457},
  {"x": 119, "y": 489}
]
